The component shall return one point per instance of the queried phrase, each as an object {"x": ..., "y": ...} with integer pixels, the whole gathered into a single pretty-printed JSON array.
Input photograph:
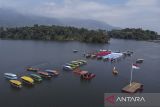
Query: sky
[{"x": 121, "y": 13}]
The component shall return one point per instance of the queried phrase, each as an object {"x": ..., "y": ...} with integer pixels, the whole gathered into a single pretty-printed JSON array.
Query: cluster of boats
[
  {"x": 85, "y": 75},
  {"x": 107, "y": 55},
  {"x": 73, "y": 65},
  {"x": 30, "y": 79}
]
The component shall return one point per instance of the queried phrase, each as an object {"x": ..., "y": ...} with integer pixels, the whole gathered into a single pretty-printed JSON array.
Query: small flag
[{"x": 135, "y": 66}]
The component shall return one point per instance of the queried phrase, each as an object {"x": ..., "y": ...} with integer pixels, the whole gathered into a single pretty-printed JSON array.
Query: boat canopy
[
  {"x": 43, "y": 73},
  {"x": 113, "y": 56},
  {"x": 26, "y": 78},
  {"x": 10, "y": 74},
  {"x": 16, "y": 82},
  {"x": 35, "y": 75},
  {"x": 48, "y": 70},
  {"x": 69, "y": 67},
  {"x": 103, "y": 53}
]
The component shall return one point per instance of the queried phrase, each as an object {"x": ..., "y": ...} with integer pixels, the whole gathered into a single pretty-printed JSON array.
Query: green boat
[
  {"x": 83, "y": 61},
  {"x": 72, "y": 65},
  {"x": 75, "y": 64},
  {"x": 36, "y": 77},
  {"x": 78, "y": 62}
]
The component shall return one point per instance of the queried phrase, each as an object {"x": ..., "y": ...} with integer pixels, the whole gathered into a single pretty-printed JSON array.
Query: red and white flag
[{"x": 135, "y": 66}]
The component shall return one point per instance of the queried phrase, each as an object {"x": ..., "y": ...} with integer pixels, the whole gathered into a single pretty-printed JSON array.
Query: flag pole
[{"x": 131, "y": 76}]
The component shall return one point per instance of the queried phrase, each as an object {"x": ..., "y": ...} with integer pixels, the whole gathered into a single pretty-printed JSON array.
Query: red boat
[
  {"x": 88, "y": 76},
  {"x": 80, "y": 72},
  {"x": 103, "y": 53},
  {"x": 44, "y": 74}
]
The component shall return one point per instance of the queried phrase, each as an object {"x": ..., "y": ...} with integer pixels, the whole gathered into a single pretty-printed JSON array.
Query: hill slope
[{"x": 9, "y": 18}]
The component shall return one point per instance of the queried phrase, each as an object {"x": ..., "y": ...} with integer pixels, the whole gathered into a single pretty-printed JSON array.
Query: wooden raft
[{"x": 133, "y": 88}]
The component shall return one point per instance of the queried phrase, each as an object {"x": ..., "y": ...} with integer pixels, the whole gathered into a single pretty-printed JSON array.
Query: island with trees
[
  {"x": 67, "y": 33},
  {"x": 43, "y": 32},
  {"x": 132, "y": 33}
]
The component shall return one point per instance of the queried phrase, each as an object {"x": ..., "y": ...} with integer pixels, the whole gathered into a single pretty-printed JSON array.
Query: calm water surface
[{"x": 68, "y": 90}]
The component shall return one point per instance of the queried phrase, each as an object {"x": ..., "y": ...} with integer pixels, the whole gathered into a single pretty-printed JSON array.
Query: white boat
[
  {"x": 75, "y": 51},
  {"x": 10, "y": 76},
  {"x": 103, "y": 50},
  {"x": 139, "y": 60},
  {"x": 67, "y": 68}
]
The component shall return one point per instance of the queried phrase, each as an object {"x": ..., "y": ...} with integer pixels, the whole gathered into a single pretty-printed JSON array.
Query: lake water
[{"x": 68, "y": 90}]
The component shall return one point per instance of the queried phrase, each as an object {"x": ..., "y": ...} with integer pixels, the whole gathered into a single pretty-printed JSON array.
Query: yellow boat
[
  {"x": 27, "y": 80},
  {"x": 15, "y": 83}
]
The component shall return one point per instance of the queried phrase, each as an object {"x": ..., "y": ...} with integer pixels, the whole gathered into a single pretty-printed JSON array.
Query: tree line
[
  {"x": 132, "y": 33},
  {"x": 42, "y": 32}
]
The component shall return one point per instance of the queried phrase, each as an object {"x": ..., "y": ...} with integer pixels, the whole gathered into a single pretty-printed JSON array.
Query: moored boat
[
  {"x": 129, "y": 53},
  {"x": 83, "y": 61},
  {"x": 67, "y": 68},
  {"x": 52, "y": 72},
  {"x": 76, "y": 63},
  {"x": 114, "y": 71},
  {"x": 99, "y": 57},
  {"x": 27, "y": 80},
  {"x": 103, "y": 50},
  {"x": 139, "y": 60},
  {"x": 87, "y": 55},
  {"x": 72, "y": 65},
  {"x": 93, "y": 56},
  {"x": 44, "y": 74},
  {"x": 88, "y": 76},
  {"x": 80, "y": 72},
  {"x": 32, "y": 69},
  {"x": 75, "y": 51},
  {"x": 15, "y": 83},
  {"x": 36, "y": 77},
  {"x": 10, "y": 76}
]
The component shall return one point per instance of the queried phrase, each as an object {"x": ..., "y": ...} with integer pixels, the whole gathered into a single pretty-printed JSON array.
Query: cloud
[{"x": 132, "y": 13}]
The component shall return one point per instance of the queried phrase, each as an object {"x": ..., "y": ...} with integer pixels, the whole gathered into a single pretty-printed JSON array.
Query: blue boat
[
  {"x": 67, "y": 68},
  {"x": 10, "y": 76}
]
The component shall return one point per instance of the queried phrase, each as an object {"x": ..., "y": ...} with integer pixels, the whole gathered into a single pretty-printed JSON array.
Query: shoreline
[{"x": 155, "y": 41}]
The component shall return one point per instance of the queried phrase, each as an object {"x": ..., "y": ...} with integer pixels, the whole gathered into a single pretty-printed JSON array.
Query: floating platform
[{"x": 134, "y": 87}]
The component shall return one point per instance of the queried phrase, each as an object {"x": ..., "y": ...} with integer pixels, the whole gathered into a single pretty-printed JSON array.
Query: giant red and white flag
[{"x": 135, "y": 66}]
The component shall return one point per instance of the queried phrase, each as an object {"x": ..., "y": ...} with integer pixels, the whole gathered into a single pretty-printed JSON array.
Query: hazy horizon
[{"x": 120, "y": 13}]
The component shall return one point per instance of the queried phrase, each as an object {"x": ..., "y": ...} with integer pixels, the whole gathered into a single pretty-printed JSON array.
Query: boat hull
[
  {"x": 88, "y": 78},
  {"x": 45, "y": 75},
  {"x": 27, "y": 83},
  {"x": 15, "y": 86}
]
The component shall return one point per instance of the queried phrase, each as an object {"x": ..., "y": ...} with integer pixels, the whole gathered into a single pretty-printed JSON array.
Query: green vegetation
[
  {"x": 53, "y": 32},
  {"x": 137, "y": 34},
  {"x": 42, "y": 32}
]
